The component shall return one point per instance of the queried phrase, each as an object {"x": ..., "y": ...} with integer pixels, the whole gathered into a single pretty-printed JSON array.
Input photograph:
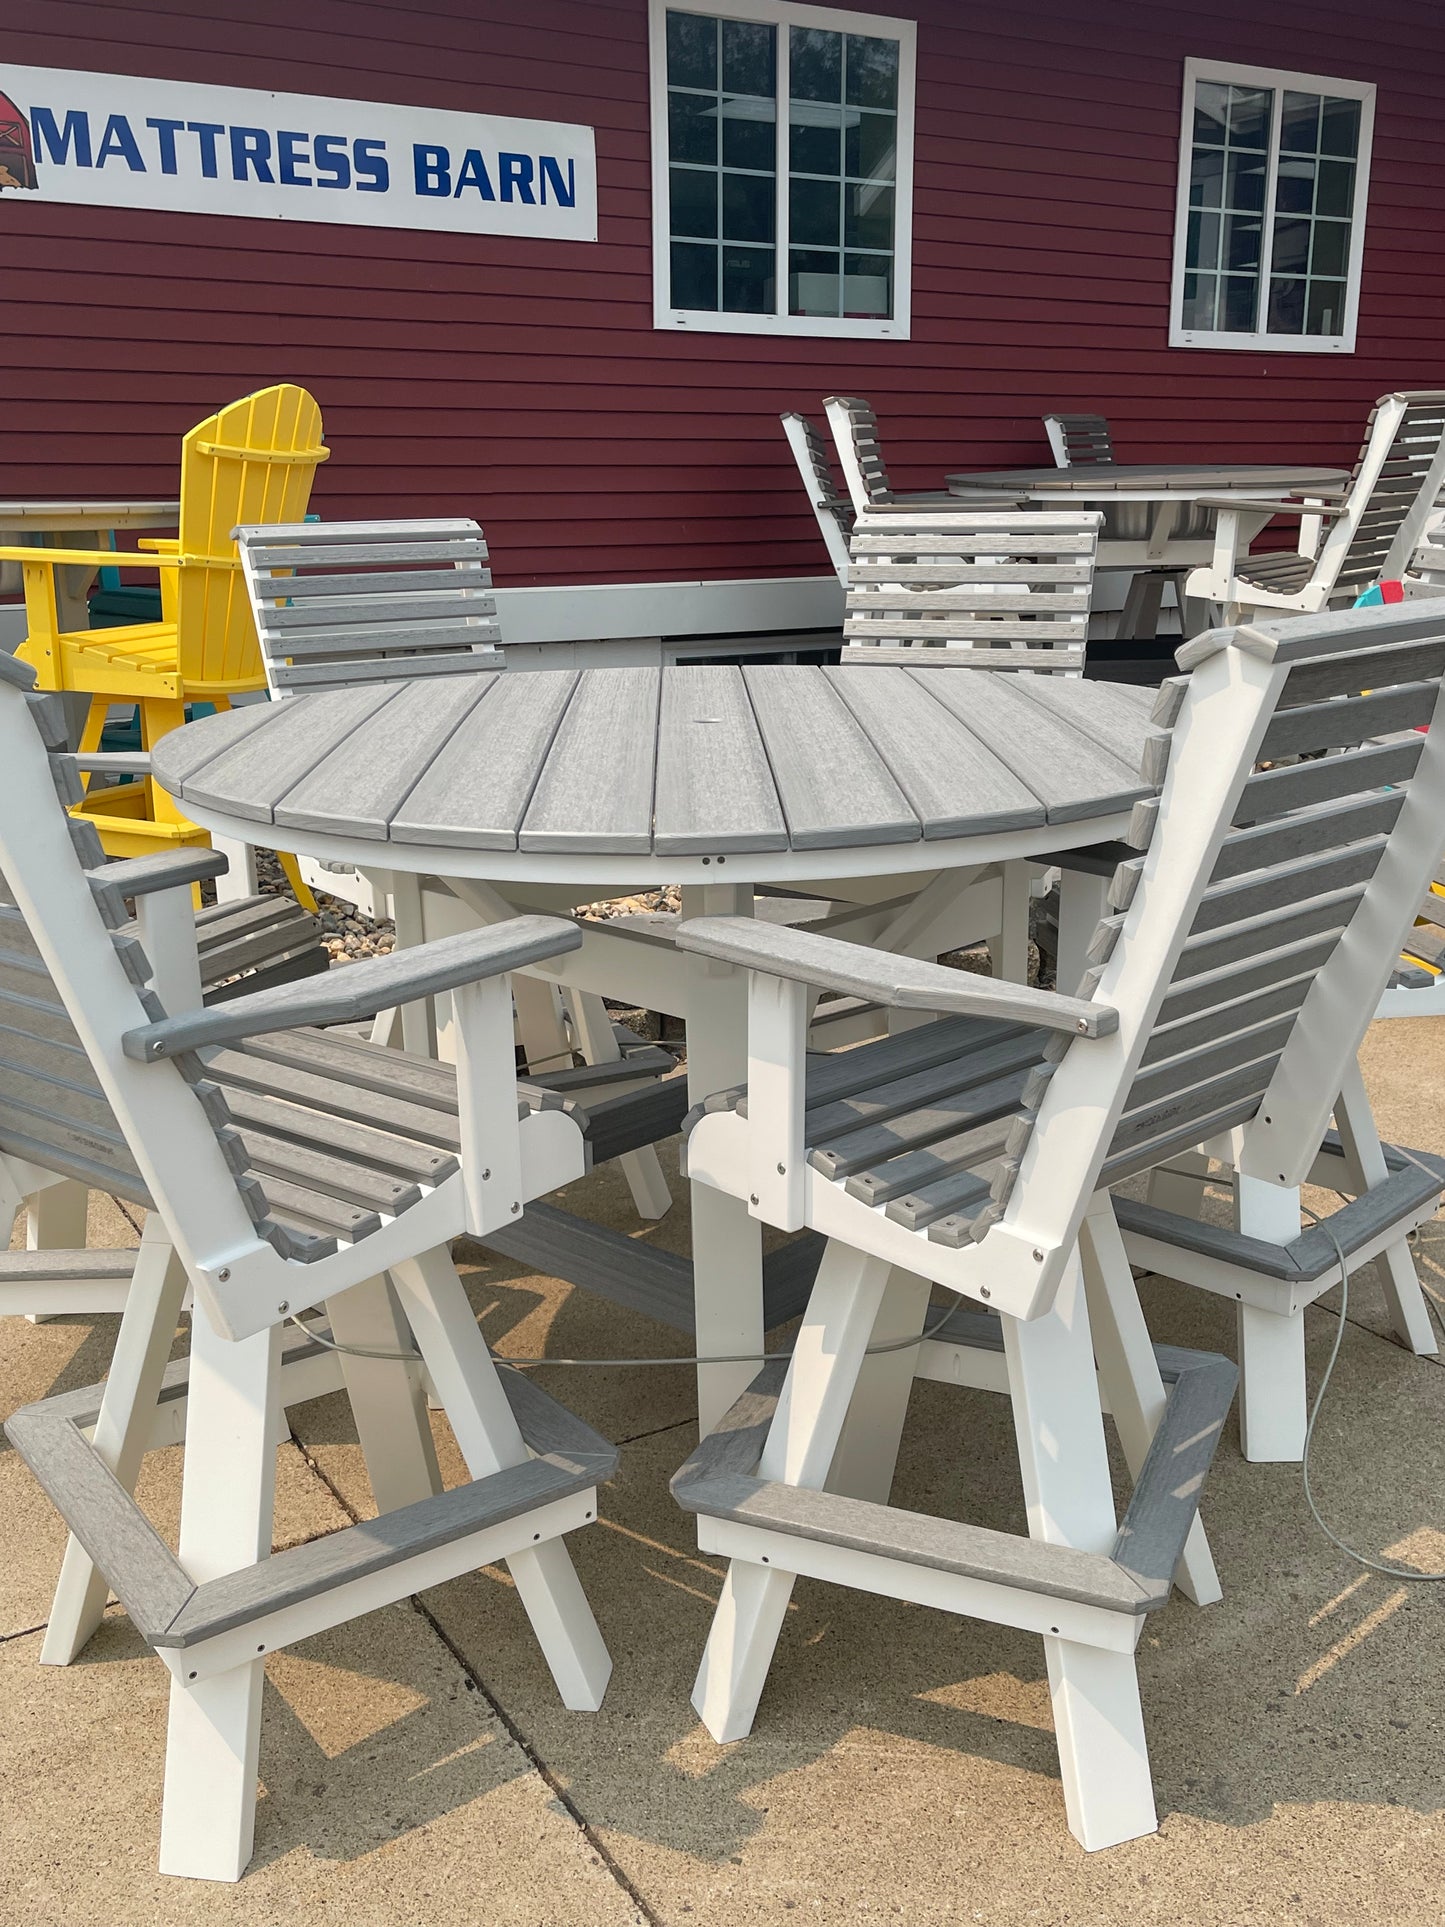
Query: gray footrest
[
  {"x": 169, "y": 1610},
  {"x": 49, "y": 1267},
  {"x": 657, "y": 1283},
  {"x": 1416, "y": 1181},
  {"x": 720, "y": 1480}
]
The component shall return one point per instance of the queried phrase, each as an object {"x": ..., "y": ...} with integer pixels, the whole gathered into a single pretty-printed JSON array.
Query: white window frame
[
  {"x": 1261, "y": 341},
  {"x": 783, "y": 14}
]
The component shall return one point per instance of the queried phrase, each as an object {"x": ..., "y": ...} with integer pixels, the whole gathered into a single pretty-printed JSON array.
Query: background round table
[{"x": 544, "y": 789}]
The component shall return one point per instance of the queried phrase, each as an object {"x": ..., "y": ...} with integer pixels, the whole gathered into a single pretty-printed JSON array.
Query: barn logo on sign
[{"x": 17, "y": 162}]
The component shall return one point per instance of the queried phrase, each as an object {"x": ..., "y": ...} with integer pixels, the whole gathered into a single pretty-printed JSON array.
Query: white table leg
[
  {"x": 388, "y": 1399},
  {"x": 1083, "y": 899},
  {"x": 867, "y": 1452},
  {"x": 1009, "y": 950},
  {"x": 727, "y": 1247},
  {"x": 1103, "y": 1756},
  {"x": 227, "y": 1501},
  {"x": 55, "y": 1220}
]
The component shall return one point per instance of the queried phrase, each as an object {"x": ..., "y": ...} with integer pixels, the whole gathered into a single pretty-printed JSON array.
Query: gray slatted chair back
[
  {"x": 338, "y": 603},
  {"x": 1426, "y": 573},
  {"x": 1249, "y": 945},
  {"x": 855, "y": 431},
  {"x": 1079, "y": 441},
  {"x": 1312, "y": 887},
  {"x": 834, "y": 512},
  {"x": 1007, "y": 590},
  {"x": 58, "y": 1047},
  {"x": 1393, "y": 492}
]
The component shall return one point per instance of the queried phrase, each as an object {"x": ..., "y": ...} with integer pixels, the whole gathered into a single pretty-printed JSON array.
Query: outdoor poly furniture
[
  {"x": 890, "y": 790},
  {"x": 834, "y": 512},
  {"x": 346, "y": 602},
  {"x": 1373, "y": 528},
  {"x": 1362, "y": 826},
  {"x": 341, "y": 603},
  {"x": 252, "y": 461},
  {"x": 1079, "y": 441},
  {"x": 1158, "y": 519},
  {"x": 963, "y": 589},
  {"x": 282, "y": 1168},
  {"x": 41, "y": 523},
  {"x": 1262, "y": 919},
  {"x": 855, "y": 434},
  {"x": 1425, "y": 575}
]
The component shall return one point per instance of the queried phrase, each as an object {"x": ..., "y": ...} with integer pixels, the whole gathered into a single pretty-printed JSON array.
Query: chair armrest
[
  {"x": 160, "y": 544},
  {"x": 110, "y": 762},
  {"x": 359, "y": 990},
  {"x": 142, "y": 876},
  {"x": 902, "y": 983},
  {"x": 102, "y": 558}
]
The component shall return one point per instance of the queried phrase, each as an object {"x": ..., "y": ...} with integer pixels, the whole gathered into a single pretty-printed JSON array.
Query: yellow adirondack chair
[{"x": 254, "y": 461}]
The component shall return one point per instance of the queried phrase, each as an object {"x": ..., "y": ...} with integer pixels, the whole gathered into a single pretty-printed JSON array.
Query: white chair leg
[
  {"x": 227, "y": 1502},
  {"x": 802, "y": 1442},
  {"x": 867, "y": 1452},
  {"x": 1409, "y": 1314},
  {"x": 642, "y": 1168},
  {"x": 55, "y": 1220},
  {"x": 1098, "y": 1721},
  {"x": 465, "y": 1376},
  {"x": 388, "y": 1399},
  {"x": 127, "y": 1412},
  {"x": 1129, "y": 1373},
  {"x": 1272, "y": 1405}
]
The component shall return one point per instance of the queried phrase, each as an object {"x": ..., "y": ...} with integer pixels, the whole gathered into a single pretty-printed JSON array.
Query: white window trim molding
[
  {"x": 1263, "y": 342},
  {"x": 783, "y": 13}
]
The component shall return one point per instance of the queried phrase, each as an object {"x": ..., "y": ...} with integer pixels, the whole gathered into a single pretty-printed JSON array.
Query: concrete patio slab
[{"x": 418, "y": 1768}]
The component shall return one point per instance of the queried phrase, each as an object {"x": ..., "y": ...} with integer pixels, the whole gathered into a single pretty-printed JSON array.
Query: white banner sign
[{"x": 110, "y": 140}]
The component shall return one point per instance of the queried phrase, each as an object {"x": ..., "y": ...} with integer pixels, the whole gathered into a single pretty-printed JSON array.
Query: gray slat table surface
[
  {"x": 1100, "y": 481},
  {"x": 778, "y": 770}
]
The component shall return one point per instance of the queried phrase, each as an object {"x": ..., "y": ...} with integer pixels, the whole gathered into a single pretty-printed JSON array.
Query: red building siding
[{"x": 522, "y": 381}]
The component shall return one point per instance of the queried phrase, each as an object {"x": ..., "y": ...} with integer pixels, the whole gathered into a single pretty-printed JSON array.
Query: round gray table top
[
  {"x": 776, "y": 771},
  {"x": 1103, "y": 480}
]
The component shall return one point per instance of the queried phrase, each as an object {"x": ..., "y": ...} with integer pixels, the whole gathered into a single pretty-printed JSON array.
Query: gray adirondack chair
[
  {"x": 957, "y": 588},
  {"x": 976, "y": 1153},
  {"x": 1372, "y": 530},
  {"x": 1078, "y": 440},
  {"x": 833, "y": 511},
  {"x": 282, "y": 1168}
]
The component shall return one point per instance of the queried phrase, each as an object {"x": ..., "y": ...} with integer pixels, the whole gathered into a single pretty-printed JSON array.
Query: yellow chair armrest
[
  {"x": 101, "y": 558},
  {"x": 162, "y": 544}
]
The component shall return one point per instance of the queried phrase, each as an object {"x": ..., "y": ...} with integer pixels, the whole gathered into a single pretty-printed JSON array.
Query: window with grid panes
[
  {"x": 1271, "y": 215},
  {"x": 786, "y": 133}
]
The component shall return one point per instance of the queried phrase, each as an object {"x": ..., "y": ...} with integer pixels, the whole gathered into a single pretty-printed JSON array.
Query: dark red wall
[{"x": 521, "y": 381}]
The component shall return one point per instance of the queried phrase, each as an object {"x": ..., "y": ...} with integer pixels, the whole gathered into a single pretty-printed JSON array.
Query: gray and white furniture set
[{"x": 971, "y": 1150}]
